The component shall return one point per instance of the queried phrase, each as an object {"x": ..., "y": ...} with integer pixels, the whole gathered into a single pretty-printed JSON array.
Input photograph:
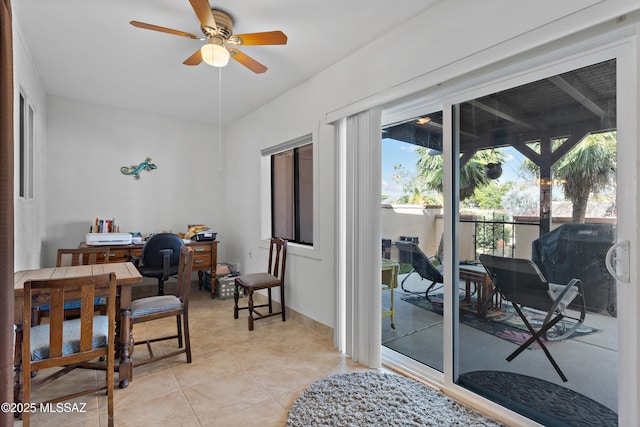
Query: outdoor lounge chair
[
  {"x": 410, "y": 253},
  {"x": 521, "y": 282}
]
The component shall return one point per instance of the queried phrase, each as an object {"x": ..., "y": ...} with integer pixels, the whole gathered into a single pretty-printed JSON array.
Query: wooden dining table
[{"x": 126, "y": 276}]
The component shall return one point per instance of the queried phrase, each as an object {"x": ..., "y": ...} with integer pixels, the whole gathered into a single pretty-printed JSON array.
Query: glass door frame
[{"x": 567, "y": 57}]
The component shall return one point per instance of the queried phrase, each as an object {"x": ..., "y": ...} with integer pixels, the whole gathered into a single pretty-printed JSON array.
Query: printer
[
  {"x": 107, "y": 239},
  {"x": 200, "y": 233},
  {"x": 204, "y": 235}
]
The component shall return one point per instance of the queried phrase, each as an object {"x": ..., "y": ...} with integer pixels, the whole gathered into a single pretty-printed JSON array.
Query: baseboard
[{"x": 310, "y": 323}]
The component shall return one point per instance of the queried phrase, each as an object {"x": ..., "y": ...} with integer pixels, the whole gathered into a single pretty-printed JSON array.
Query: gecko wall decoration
[{"x": 135, "y": 170}]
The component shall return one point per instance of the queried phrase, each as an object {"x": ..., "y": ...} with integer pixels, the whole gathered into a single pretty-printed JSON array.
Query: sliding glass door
[
  {"x": 537, "y": 214},
  {"x": 500, "y": 209},
  {"x": 412, "y": 244}
]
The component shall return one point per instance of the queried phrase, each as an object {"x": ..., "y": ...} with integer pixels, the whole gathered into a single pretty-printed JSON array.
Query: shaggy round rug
[{"x": 379, "y": 399}]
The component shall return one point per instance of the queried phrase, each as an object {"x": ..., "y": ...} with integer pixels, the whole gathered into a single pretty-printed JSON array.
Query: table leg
[
  {"x": 200, "y": 276},
  {"x": 125, "y": 337},
  {"x": 17, "y": 366},
  {"x": 125, "y": 368},
  {"x": 481, "y": 290},
  {"x": 467, "y": 291}
]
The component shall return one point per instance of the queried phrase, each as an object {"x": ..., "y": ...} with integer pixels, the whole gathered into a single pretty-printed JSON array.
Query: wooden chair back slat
[
  {"x": 86, "y": 318},
  {"x": 83, "y": 256},
  {"x": 183, "y": 286},
  {"x": 276, "y": 266},
  {"x": 56, "y": 319}
]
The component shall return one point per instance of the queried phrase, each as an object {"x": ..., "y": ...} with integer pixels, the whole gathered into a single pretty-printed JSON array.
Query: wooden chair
[
  {"x": 67, "y": 343},
  {"x": 256, "y": 281},
  {"x": 162, "y": 306},
  {"x": 83, "y": 256},
  {"x": 71, "y": 257}
]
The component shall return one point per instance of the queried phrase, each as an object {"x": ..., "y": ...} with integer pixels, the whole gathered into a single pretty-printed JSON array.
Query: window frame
[
  {"x": 26, "y": 148},
  {"x": 294, "y": 248},
  {"x": 290, "y": 173}
]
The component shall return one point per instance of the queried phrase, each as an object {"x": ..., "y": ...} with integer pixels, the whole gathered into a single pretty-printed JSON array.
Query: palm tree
[
  {"x": 589, "y": 167},
  {"x": 472, "y": 174},
  {"x": 415, "y": 190}
]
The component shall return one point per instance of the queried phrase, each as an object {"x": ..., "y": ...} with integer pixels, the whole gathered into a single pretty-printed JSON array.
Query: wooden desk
[
  {"x": 390, "y": 271},
  {"x": 487, "y": 303},
  {"x": 205, "y": 257},
  {"x": 126, "y": 275}
]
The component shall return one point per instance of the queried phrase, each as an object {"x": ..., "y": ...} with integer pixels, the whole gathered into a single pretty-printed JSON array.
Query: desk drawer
[
  {"x": 135, "y": 252},
  {"x": 198, "y": 249},
  {"x": 123, "y": 254},
  {"x": 118, "y": 255},
  {"x": 202, "y": 261}
]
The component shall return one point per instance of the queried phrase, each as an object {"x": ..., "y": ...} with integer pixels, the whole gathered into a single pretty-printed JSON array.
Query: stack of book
[{"x": 104, "y": 226}]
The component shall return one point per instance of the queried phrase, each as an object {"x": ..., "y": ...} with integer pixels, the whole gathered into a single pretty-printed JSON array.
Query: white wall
[
  {"x": 79, "y": 150},
  {"x": 414, "y": 221},
  {"x": 451, "y": 39},
  {"x": 309, "y": 272},
  {"x": 87, "y": 146},
  {"x": 29, "y": 226}
]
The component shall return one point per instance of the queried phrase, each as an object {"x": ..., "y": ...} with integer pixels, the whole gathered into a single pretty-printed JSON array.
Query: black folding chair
[
  {"x": 521, "y": 282},
  {"x": 410, "y": 253}
]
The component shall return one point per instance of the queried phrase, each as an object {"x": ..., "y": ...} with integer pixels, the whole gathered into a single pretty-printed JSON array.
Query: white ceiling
[{"x": 87, "y": 50}]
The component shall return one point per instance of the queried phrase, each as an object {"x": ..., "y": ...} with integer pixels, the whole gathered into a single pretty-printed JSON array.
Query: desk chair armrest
[
  {"x": 135, "y": 260},
  {"x": 166, "y": 262}
]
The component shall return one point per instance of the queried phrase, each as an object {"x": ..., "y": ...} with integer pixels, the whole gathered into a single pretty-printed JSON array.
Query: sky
[
  {"x": 393, "y": 153},
  {"x": 397, "y": 152}
]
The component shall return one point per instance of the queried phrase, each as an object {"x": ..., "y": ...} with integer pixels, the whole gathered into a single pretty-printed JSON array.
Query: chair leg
[
  {"x": 250, "y": 307},
  {"x": 110, "y": 379},
  {"x": 270, "y": 304},
  {"x": 236, "y": 297},
  {"x": 535, "y": 336},
  {"x": 160, "y": 287},
  {"x": 282, "y": 302},
  {"x": 187, "y": 340},
  {"x": 178, "y": 322}
]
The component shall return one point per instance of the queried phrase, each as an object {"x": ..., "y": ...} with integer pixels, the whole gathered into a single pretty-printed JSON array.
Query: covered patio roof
[{"x": 565, "y": 107}]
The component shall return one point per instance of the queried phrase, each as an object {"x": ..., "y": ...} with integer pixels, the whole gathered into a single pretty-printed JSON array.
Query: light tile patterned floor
[{"x": 237, "y": 378}]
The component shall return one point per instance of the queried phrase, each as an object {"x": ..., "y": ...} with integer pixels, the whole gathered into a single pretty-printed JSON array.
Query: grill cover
[{"x": 578, "y": 250}]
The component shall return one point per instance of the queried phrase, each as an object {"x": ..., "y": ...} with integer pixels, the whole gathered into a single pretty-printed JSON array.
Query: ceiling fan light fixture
[{"x": 215, "y": 54}]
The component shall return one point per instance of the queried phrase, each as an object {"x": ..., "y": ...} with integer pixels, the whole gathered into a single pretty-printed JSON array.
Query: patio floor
[{"x": 589, "y": 361}]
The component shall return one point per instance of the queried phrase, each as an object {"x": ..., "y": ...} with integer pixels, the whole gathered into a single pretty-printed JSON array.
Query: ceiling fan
[{"x": 217, "y": 28}]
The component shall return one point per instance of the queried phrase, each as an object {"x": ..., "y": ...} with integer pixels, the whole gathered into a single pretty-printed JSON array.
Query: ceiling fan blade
[
  {"x": 194, "y": 59},
  {"x": 203, "y": 11},
  {"x": 247, "y": 61},
  {"x": 268, "y": 37},
  {"x": 163, "y": 29}
]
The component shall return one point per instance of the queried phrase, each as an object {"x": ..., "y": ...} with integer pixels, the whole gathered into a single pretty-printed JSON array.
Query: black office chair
[
  {"x": 160, "y": 258},
  {"x": 410, "y": 253}
]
